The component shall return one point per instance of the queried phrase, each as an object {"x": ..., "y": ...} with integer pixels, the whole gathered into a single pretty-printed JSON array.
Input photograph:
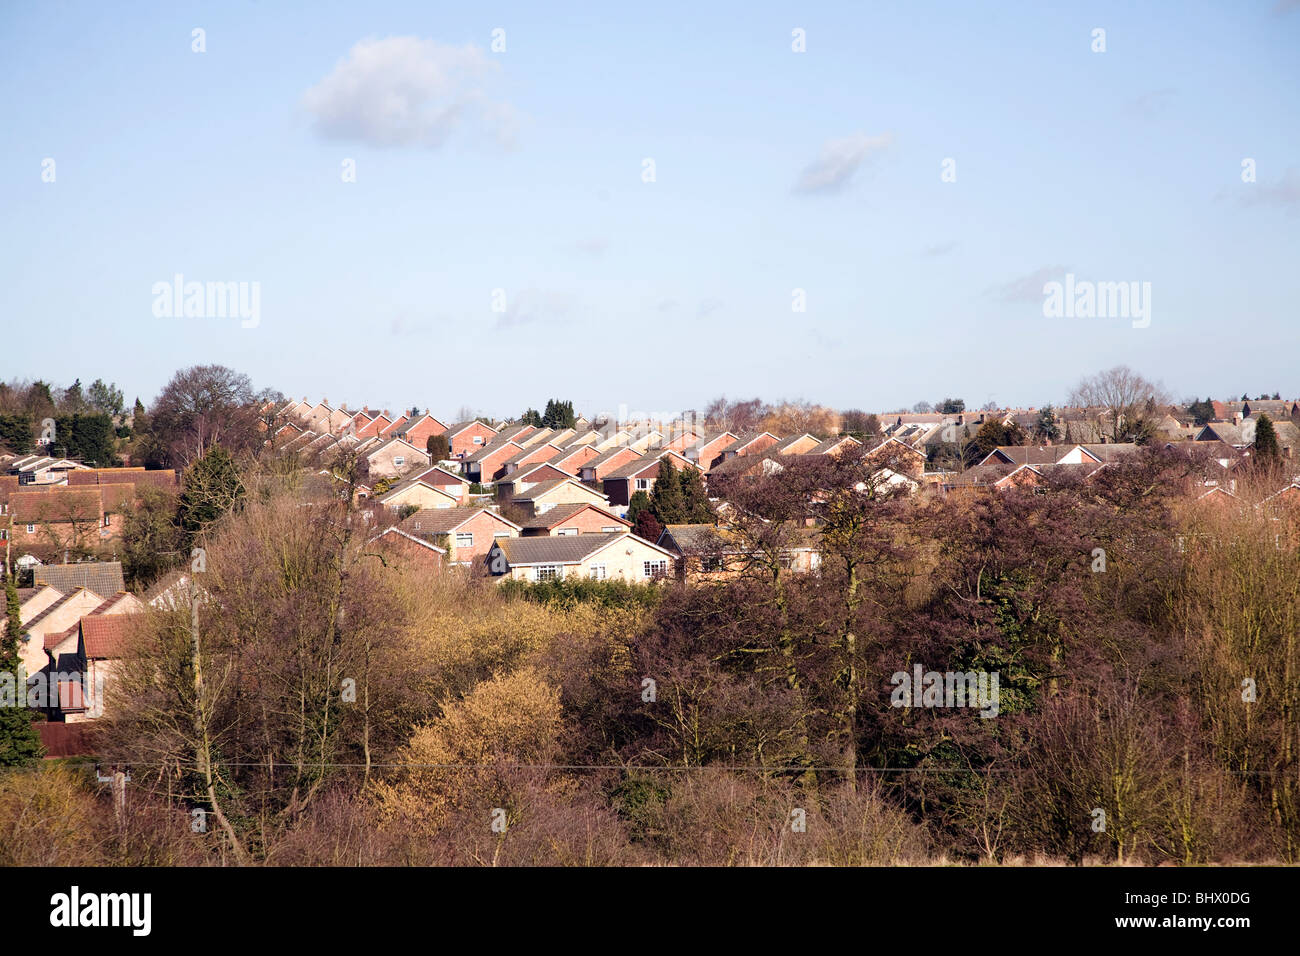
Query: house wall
[
  {"x": 619, "y": 565},
  {"x": 493, "y": 466},
  {"x": 32, "y": 651},
  {"x": 484, "y": 526},
  {"x": 382, "y": 466},
  {"x": 419, "y": 434},
  {"x": 587, "y": 522},
  {"x": 567, "y": 493},
  {"x": 463, "y": 444},
  {"x": 422, "y": 496}
]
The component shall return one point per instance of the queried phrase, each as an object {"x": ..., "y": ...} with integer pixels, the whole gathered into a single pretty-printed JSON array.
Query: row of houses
[{"x": 74, "y": 509}]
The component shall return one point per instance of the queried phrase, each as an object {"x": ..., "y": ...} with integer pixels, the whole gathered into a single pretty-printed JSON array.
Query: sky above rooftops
[{"x": 501, "y": 244}]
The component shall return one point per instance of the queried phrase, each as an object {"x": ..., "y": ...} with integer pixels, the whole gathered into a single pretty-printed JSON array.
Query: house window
[
  {"x": 711, "y": 563},
  {"x": 597, "y": 572},
  {"x": 547, "y": 572},
  {"x": 4, "y": 534},
  {"x": 107, "y": 518},
  {"x": 31, "y": 529},
  {"x": 643, "y": 484},
  {"x": 613, "y": 528},
  {"x": 562, "y": 532},
  {"x": 655, "y": 569},
  {"x": 478, "y": 439},
  {"x": 464, "y": 540},
  {"x": 398, "y": 461},
  {"x": 500, "y": 534}
]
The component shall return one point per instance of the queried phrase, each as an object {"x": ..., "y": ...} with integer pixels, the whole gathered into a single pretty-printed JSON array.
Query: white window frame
[
  {"x": 598, "y": 572},
  {"x": 31, "y": 529},
  {"x": 467, "y": 543},
  {"x": 548, "y": 572},
  {"x": 643, "y": 484},
  {"x": 399, "y": 461},
  {"x": 565, "y": 532},
  {"x": 654, "y": 568},
  {"x": 612, "y": 529}
]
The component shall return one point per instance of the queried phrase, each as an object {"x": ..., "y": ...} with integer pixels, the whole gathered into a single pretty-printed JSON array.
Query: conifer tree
[
  {"x": 1267, "y": 451},
  {"x": 666, "y": 498},
  {"x": 20, "y": 742},
  {"x": 695, "y": 500}
]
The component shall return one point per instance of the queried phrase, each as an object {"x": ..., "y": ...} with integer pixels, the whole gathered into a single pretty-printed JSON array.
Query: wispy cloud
[
  {"x": 533, "y": 305},
  {"x": 592, "y": 247},
  {"x": 839, "y": 161},
  {"x": 1284, "y": 193},
  {"x": 708, "y": 307},
  {"x": 1152, "y": 103},
  {"x": 939, "y": 248},
  {"x": 408, "y": 91},
  {"x": 1028, "y": 288}
]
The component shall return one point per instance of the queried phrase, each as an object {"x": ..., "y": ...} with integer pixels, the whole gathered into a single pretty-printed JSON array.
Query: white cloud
[
  {"x": 406, "y": 91},
  {"x": 840, "y": 159},
  {"x": 1030, "y": 288},
  {"x": 939, "y": 248},
  {"x": 1285, "y": 193},
  {"x": 535, "y": 305}
]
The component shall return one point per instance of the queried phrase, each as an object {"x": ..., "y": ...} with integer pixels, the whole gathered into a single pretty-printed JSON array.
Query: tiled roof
[
  {"x": 102, "y": 577},
  {"x": 107, "y": 635},
  {"x": 542, "y": 487},
  {"x": 492, "y": 448},
  {"x": 443, "y": 520},
  {"x": 561, "y": 513},
  {"x": 543, "y": 549}
]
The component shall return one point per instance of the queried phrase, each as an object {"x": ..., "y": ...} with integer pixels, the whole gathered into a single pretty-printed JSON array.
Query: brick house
[
  {"x": 466, "y": 534},
  {"x": 489, "y": 463},
  {"x": 639, "y": 475},
  {"x": 595, "y": 470},
  {"x": 466, "y": 438},
  {"x": 520, "y": 481},
  {"x": 419, "y": 430},
  {"x": 394, "y": 458},
  {"x": 399, "y": 547},
  {"x": 546, "y": 495},
  {"x": 572, "y": 519},
  {"x": 707, "y": 452}
]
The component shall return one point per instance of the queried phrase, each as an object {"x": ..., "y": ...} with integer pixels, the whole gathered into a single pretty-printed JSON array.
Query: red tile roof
[{"x": 107, "y": 635}]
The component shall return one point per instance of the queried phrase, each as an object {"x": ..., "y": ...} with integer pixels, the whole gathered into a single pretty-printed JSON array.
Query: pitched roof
[
  {"x": 438, "y": 476},
  {"x": 562, "y": 513},
  {"x": 107, "y": 635},
  {"x": 568, "y": 549},
  {"x": 454, "y": 430},
  {"x": 542, "y": 487},
  {"x": 102, "y": 577},
  {"x": 397, "y": 532},
  {"x": 446, "y": 520},
  {"x": 522, "y": 474},
  {"x": 494, "y": 448}
]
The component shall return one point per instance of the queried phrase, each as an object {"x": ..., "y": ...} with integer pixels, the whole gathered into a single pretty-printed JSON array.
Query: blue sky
[{"x": 522, "y": 171}]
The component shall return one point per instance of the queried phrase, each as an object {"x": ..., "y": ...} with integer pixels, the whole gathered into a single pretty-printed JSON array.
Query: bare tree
[
  {"x": 203, "y": 405},
  {"x": 1121, "y": 403}
]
